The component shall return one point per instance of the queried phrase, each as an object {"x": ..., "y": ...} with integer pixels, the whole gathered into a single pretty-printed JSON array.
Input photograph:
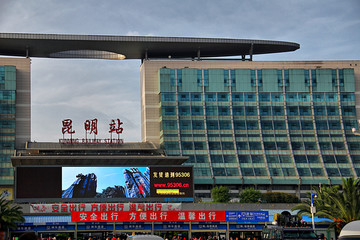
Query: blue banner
[{"x": 247, "y": 216}]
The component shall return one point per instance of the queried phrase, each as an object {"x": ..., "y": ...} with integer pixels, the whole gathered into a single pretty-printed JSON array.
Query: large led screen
[{"x": 105, "y": 182}]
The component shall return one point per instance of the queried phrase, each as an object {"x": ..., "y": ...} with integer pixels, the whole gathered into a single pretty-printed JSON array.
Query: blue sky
[
  {"x": 106, "y": 176},
  {"x": 104, "y": 89}
]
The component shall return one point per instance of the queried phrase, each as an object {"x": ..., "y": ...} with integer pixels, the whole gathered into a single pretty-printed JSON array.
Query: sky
[{"x": 82, "y": 90}]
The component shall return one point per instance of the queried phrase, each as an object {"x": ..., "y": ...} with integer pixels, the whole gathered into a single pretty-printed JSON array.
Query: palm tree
[
  {"x": 10, "y": 214},
  {"x": 339, "y": 206}
]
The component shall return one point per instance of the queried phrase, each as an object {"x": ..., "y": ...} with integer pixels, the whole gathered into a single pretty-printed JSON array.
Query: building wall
[
  {"x": 15, "y": 112},
  {"x": 255, "y": 122}
]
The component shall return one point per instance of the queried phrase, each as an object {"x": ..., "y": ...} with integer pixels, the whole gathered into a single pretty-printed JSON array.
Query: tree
[
  {"x": 10, "y": 214},
  {"x": 220, "y": 194},
  {"x": 250, "y": 195},
  {"x": 279, "y": 197},
  {"x": 340, "y": 206}
]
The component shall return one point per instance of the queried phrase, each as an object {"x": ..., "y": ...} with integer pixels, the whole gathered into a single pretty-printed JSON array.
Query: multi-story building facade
[
  {"x": 14, "y": 114},
  {"x": 280, "y": 126}
]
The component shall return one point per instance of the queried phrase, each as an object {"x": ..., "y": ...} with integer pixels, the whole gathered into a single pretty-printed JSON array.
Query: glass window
[
  {"x": 304, "y": 172},
  {"x": 260, "y": 172},
  {"x": 300, "y": 158},
  {"x": 331, "y": 96},
  {"x": 285, "y": 158},
  {"x": 210, "y": 96},
  {"x": 310, "y": 145},
  {"x": 257, "y": 158},
  {"x": 307, "y": 125},
  {"x": 232, "y": 171},
  {"x": 230, "y": 159},
  {"x": 198, "y": 124},
  {"x": 333, "y": 172},
  {"x": 282, "y": 145},
  {"x": 344, "y": 97},
  {"x": 184, "y": 110},
  {"x": 275, "y": 172},
  {"x": 317, "y": 172},
  {"x": 219, "y": 171},
  {"x": 183, "y": 96},
  {"x": 266, "y": 125},
  {"x": 187, "y": 145},
  {"x": 348, "y": 111},
  {"x": 278, "y": 111},
  {"x": 329, "y": 159},
  {"x": 294, "y": 125},
  {"x": 179, "y": 77},
  {"x": 197, "y": 111},
  {"x": 325, "y": 145},
  {"x": 346, "y": 172},
  {"x": 224, "y": 111},
  {"x": 199, "y": 145},
  {"x": 169, "y": 124},
  {"x": 216, "y": 159},
  {"x": 305, "y": 111},
  {"x": 237, "y": 97},
  {"x": 244, "y": 159},
  {"x": 202, "y": 172},
  {"x": 242, "y": 146},
  {"x": 185, "y": 124},
  {"x": 168, "y": 96},
  {"x": 239, "y": 125},
  {"x": 250, "y": 111},
  {"x": 292, "y": 110},
  {"x": 255, "y": 145},
  {"x": 247, "y": 171},
  {"x": 196, "y": 97},
  {"x": 297, "y": 145},
  {"x": 289, "y": 171},
  {"x": 290, "y": 97},
  {"x": 202, "y": 158},
  {"x": 319, "y": 111},
  {"x": 350, "y": 124},
  {"x": 238, "y": 111},
  {"x": 264, "y": 97},
  {"x": 224, "y": 124},
  {"x": 214, "y": 146},
  {"x": 276, "y": 97},
  {"x": 318, "y": 97},
  {"x": 252, "y": 125},
  {"x": 341, "y": 159},
  {"x": 269, "y": 146},
  {"x": 168, "y": 110},
  {"x": 212, "y": 124},
  {"x": 338, "y": 146},
  {"x": 332, "y": 111},
  {"x": 334, "y": 125},
  {"x": 227, "y": 145},
  {"x": 272, "y": 159},
  {"x": 321, "y": 125},
  {"x": 250, "y": 97},
  {"x": 171, "y": 145},
  {"x": 265, "y": 111},
  {"x": 211, "y": 110},
  {"x": 222, "y": 96},
  {"x": 279, "y": 125},
  {"x": 303, "y": 97}
]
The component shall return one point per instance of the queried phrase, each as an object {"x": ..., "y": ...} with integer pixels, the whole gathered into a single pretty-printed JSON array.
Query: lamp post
[{"x": 313, "y": 209}]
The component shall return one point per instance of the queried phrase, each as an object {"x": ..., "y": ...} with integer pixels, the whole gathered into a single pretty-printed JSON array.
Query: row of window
[
  {"x": 274, "y": 172},
  {"x": 254, "y": 125},
  {"x": 251, "y": 96},
  {"x": 263, "y": 110}
]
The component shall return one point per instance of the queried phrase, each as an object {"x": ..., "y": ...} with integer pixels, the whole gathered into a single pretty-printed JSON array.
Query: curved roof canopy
[{"x": 133, "y": 47}]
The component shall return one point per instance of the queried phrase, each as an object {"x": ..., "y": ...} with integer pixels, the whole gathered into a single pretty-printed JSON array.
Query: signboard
[
  {"x": 247, "y": 216},
  {"x": 173, "y": 183},
  {"x": 104, "y": 207},
  {"x": 136, "y": 216}
]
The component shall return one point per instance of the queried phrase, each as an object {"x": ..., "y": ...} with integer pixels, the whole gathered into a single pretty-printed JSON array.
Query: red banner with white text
[{"x": 139, "y": 216}]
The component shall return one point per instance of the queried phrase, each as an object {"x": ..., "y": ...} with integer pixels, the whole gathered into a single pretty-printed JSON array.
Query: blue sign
[
  {"x": 247, "y": 216},
  {"x": 165, "y": 225}
]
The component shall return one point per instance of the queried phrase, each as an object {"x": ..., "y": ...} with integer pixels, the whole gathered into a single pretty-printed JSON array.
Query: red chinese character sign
[
  {"x": 135, "y": 216},
  {"x": 91, "y": 127}
]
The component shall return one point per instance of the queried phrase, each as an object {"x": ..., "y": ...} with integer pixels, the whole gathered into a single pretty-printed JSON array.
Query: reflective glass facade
[
  {"x": 261, "y": 126},
  {"x": 7, "y": 122}
]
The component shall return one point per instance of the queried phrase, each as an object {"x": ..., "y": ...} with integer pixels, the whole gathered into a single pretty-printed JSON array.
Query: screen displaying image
[{"x": 105, "y": 182}]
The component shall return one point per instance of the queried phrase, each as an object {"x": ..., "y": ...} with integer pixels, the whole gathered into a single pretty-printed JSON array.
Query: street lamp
[{"x": 313, "y": 209}]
